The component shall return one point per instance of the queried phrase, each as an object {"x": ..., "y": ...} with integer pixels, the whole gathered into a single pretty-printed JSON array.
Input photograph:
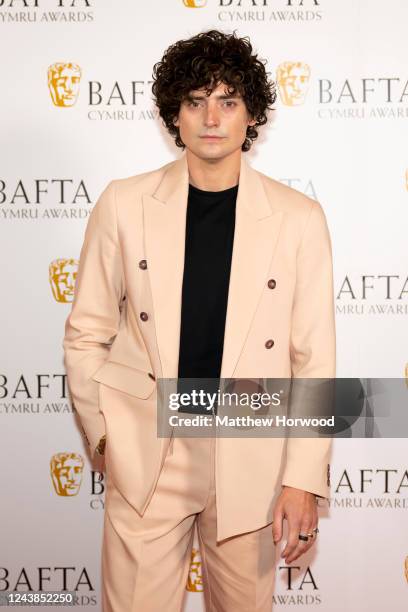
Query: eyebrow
[{"x": 219, "y": 97}]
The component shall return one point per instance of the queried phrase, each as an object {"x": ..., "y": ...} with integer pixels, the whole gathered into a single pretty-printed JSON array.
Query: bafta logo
[
  {"x": 63, "y": 82},
  {"x": 66, "y": 473},
  {"x": 62, "y": 274},
  {"x": 293, "y": 82},
  {"x": 195, "y": 3},
  {"x": 406, "y": 568},
  {"x": 194, "y": 580}
]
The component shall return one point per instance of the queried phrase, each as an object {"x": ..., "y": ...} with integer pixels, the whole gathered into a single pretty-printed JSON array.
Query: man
[{"x": 204, "y": 267}]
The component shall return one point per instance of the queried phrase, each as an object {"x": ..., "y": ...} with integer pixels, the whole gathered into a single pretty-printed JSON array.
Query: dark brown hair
[{"x": 205, "y": 60}]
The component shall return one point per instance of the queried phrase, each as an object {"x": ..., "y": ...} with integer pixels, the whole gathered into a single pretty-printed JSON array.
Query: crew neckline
[{"x": 204, "y": 192}]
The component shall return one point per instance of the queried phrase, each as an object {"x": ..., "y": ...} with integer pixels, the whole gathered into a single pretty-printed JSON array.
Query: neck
[{"x": 214, "y": 174}]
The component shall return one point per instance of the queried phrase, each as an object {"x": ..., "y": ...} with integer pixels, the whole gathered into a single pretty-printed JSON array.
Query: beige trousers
[{"x": 146, "y": 560}]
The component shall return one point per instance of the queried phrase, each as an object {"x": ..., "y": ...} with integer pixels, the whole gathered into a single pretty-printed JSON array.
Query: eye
[{"x": 230, "y": 103}]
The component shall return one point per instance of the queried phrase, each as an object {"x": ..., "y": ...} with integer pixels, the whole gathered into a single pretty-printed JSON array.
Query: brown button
[
  {"x": 144, "y": 316},
  {"x": 143, "y": 264},
  {"x": 271, "y": 283},
  {"x": 269, "y": 343},
  {"x": 152, "y": 376}
]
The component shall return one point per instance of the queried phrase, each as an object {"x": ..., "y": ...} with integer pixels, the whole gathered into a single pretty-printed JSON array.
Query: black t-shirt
[{"x": 210, "y": 226}]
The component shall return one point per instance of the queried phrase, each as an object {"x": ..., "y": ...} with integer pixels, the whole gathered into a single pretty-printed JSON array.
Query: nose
[{"x": 211, "y": 115}]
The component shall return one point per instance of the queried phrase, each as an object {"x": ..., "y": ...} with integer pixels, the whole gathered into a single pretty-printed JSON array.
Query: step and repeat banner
[{"x": 76, "y": 112}]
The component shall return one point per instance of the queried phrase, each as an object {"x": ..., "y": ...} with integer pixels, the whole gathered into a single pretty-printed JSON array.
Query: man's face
[{"x": 213, "y": 126}]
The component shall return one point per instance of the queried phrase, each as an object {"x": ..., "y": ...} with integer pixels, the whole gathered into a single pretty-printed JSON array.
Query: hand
[{"x": 300, "y": 509}]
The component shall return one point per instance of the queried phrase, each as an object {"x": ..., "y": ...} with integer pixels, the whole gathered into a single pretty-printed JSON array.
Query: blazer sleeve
[
  {"x": 94, "y": 319},
  {"x": 312, "y": 348}
]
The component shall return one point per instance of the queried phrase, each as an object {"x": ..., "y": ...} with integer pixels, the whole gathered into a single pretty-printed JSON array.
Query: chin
[{"x": 212, "y": 155}]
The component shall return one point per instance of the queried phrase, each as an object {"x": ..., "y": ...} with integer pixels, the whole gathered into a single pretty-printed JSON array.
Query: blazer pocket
[{"x": 125, "y": 378}]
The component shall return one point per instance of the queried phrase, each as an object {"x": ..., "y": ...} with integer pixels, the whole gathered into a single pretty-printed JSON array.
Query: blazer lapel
[
  {"x": 257, "y": 227},
  {"x": 165, "y": 227}
]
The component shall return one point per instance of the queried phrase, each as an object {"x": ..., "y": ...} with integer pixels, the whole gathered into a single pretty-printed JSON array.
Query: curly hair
[{"x": 203, "y": 61}]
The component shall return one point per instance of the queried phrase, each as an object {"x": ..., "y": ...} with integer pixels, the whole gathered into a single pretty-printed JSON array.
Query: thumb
[{"x": 277, "y": 525}]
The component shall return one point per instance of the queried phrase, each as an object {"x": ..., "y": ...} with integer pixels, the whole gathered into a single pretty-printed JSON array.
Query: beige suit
[{"x": 132, "y": 263}]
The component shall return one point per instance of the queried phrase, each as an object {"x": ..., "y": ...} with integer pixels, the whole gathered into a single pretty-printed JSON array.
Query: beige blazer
[{"x": 124, "y": 326}]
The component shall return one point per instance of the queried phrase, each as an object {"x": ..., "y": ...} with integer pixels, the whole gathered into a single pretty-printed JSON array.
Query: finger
[
  {"x": 277, "y": 525},
  {"x": 300, "y": 550},
  {"x": 293, "y": 534},
  {"x": 312, "y": 538},
  {"x": 302, "y": 546}
]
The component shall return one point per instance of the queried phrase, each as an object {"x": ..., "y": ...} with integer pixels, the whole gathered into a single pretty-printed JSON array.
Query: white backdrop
[{"x": 339, "y": 134}]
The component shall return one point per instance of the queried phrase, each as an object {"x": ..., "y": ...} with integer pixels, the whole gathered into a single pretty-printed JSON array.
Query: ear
[
  {"x": 250, "y": 119},
  {"x": 176, "y": 121}
]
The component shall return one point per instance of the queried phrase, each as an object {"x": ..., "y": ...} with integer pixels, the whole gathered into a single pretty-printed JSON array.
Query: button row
[
  {"x": 271, "y": 284},
  {"x": 144, "y": 316},
  {"x": 269, "y": 343},
  {"x": 271, "y": 281}
]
